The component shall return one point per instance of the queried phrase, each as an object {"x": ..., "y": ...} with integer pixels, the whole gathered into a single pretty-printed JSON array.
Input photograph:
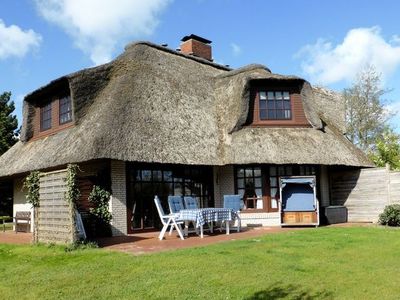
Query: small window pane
[
  {"x": 272, "y": 171},
  {"x": 241, "y": 192},
  {"x": 271, "y": 104},
  {"x": 278, "y": 95},
  {"x": 240, "y": 172},
  {"x": 289, "y": 171},
  {"x": 263, "y": 104},
  {"x": 167, "y": 175},
  {"x": 259, "y": 192},
  {"x": 178, "y": 189},
  {"x": 271, "y": 96},
  {"x": 257, "y": 172},
  {"x": 157, "y": 175},
  {"x": 240, "y": 183},
  {"x": 287, "y": 114},
  {"x": 271, "y": 114},
  {"x": 279, "y": 114},
  {"x": 274, "y": 204},
  {"x": 249, "y": 173},
  {"x": 279, "y": 105},
  {"x": 263, "y": 96},
  {"x": 263, "y": 114},
  {"x": 286, "y": 95},
  {"x": 274, "y": 192},
  {"x": 136, "y": 175},
  {"x": 65, "y": 113},
  {"x": 286, "y": 104},
  {"x": 45, "y": 117},
  {"x": 257, "y": 182},
  {"x": 178, "y": 179},
  {"x": 281, "y": 171},
  {"x": 273, "y": 181},
  {"x": 146, "y": 175}
]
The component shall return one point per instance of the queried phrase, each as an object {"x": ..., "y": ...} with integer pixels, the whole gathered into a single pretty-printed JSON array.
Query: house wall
[
  {"x": 119, "y": 224},
  {"x": 19, "y": 199},
  {"x": 365, "y": 193},
  {"x": 223, "y": 184},
  {"x": 324, "y": 186}
]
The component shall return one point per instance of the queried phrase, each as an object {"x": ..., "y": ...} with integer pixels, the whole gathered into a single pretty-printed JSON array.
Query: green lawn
[
  {"x": 324, "y": 263},
  {"x": 8, "y": 226}
]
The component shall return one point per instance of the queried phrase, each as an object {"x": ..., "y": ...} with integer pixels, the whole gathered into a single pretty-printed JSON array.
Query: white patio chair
[{"x": 170, "y": 220}]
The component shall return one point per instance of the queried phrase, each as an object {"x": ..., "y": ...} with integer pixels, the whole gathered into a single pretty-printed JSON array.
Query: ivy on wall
[
  {"x": 31, "y": 184},
  {"x": 100, "y": 199},
  {"x": 72, "y": 194}
]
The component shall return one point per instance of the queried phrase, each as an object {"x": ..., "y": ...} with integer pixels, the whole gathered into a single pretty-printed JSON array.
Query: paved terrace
[{"x": 148, "y": 242}]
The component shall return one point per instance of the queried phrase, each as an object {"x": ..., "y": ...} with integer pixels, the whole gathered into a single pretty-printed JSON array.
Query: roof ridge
[{"x": 171, "y": 51}]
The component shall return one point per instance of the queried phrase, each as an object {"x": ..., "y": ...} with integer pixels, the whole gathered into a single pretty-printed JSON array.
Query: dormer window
[
  {"x": 45, "y": 117},
  {"x": 275, "y": 105},
  {"x": 65, "y": 115}
]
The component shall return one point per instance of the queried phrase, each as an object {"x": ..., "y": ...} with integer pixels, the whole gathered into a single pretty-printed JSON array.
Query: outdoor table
[{"x": 202, "y": 216}]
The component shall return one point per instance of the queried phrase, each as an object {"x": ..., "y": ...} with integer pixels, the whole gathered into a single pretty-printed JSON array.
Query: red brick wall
[
  {"x": 55, "y": 125},
  {"x": 196, "y": 48}
]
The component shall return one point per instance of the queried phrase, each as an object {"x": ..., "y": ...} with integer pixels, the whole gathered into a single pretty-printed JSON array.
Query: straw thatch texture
[{"x": 152, "y": 104}]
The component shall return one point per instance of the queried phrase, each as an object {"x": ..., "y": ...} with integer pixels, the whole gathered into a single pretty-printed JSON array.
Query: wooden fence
[
  {"x": 365, "y": 192},
  {"x": 55, "y": 222}
]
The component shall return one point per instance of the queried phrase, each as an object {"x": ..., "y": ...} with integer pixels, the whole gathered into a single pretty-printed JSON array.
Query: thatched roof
[{"x": 153, "y": 104}]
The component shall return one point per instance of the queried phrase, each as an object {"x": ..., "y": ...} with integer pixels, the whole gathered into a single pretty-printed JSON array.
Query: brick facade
[
  {"x": 223, "y": 184},
  {"x": 196, "y": 48},
  {"x": 118, "y": 198}
]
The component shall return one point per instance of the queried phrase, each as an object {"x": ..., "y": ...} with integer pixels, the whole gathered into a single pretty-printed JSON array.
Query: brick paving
[
  {"x": 148, "y": 242},
  {"x": 10, "y": 237}
]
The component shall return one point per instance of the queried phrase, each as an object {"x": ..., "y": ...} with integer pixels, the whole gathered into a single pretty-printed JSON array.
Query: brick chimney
[{"x": 196, "y": 46}]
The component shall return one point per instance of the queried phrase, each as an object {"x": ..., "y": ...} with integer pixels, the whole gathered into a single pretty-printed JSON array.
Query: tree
[
  {"x": 8, "y": 123},
  {"x": 387, "y": 150},
  {"x": 366, "y": 116}
]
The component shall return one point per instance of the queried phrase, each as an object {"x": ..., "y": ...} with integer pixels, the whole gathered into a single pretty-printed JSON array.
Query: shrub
[
  {"x": 101, "y": 216},
  {"x": 390, "y": 215}
]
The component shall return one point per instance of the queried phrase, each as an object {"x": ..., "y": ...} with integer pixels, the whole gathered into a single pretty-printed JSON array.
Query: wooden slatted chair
[{"x": 22, "y": 218}]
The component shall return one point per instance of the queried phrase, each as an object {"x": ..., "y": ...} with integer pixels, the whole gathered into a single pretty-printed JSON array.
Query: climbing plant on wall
[
  {"x": 72, "y": 194},
  {"x": 31, "y": 184}
]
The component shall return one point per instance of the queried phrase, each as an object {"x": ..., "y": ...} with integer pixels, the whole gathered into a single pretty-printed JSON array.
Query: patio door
[{"x": 147, "y": 180}]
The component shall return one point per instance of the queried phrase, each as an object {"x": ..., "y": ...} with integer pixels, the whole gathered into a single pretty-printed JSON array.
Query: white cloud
[
  {"x": 236, "y": 50},
  {"x": 326, "y": 63},
  {"x": 16, "y": 42},
  {"x": 98, "y": 26}
]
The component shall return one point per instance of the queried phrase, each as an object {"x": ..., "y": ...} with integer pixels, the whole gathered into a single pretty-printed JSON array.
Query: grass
[
  {"x": 8, "y": 226},
  {"x": 325, "y": 263}
]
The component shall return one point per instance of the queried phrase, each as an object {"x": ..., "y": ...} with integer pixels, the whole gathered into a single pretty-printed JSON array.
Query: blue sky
[{"x": 326, "y": 42}]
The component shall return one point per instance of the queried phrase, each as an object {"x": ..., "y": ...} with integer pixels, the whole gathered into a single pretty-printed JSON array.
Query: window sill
[{"x": 256, "y": 211}]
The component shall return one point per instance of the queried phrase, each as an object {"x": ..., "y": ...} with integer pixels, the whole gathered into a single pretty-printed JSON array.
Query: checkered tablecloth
[{"x": 205, "y": 215}]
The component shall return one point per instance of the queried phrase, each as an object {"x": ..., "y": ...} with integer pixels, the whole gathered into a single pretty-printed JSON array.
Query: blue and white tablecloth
[{"x": 206, "y": 215}]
